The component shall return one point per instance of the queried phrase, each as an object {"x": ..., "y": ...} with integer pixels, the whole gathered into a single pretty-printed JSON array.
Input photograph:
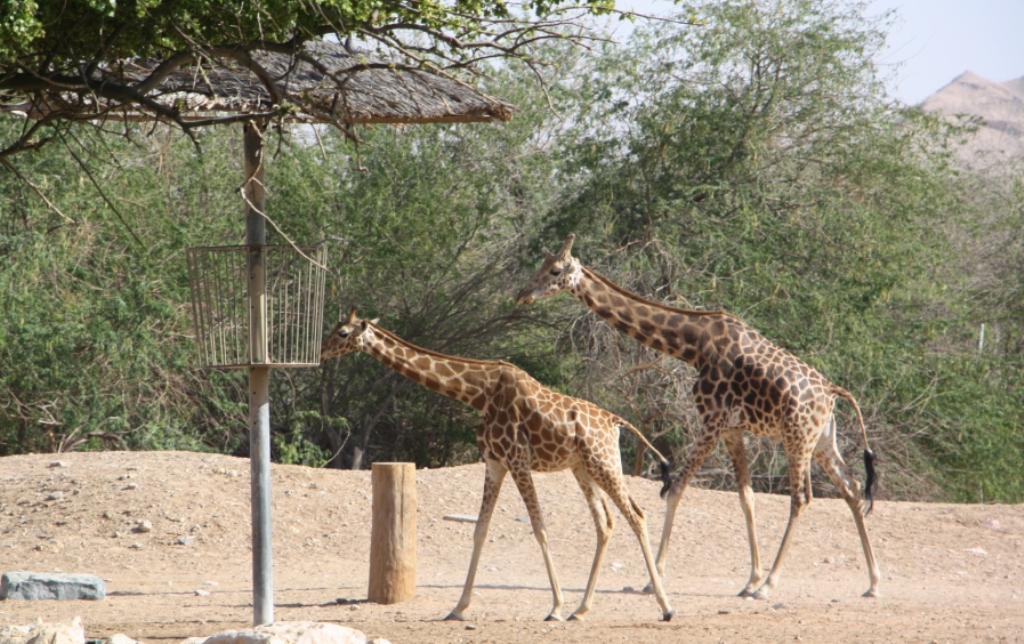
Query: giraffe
[
  {"x": 525, "y": 427},
  {"x": 745, "y": 383}
]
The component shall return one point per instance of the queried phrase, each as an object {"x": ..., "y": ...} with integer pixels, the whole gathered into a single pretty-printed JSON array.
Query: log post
[{"x": 393, "y": 533}]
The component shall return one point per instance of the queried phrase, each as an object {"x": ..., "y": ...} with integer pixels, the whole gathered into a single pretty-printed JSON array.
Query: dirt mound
[{"x": 949, "y": 572}]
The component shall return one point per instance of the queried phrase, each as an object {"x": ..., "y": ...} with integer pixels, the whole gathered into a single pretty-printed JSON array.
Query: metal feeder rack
[{"x": 223, "y": 317}]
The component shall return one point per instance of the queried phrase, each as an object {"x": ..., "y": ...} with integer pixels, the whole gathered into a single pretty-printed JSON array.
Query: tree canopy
[
  {"x": 753, "y": 163},
  {"x": 79, "y": 47}
]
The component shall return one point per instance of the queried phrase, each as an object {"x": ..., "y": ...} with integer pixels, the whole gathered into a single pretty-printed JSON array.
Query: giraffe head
[
  {"x": 348, "y": 336},
  {"x": 559, "y": 272}
]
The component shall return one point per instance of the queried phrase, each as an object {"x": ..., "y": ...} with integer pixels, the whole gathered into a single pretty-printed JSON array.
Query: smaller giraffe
[
  {"x": 525, "y": 427},
  {"x": 744, "y": 382}
]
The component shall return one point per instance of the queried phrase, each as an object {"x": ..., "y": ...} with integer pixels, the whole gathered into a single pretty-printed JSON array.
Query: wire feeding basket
[{"x": 218, "y": 280}]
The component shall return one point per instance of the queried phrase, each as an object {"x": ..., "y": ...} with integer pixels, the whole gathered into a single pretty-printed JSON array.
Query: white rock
[
  {"x": 287, "y": 633},
  {"x": 121, "y": 638},
  {"x": 70, "y": 632},
  {"x": 460, "y": 518}
]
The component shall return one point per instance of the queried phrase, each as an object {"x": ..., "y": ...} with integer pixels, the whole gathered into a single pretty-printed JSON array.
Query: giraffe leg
[
  {"x": 615, "y": 488},
  {"x": 698, "y": 452},
  {"x": 736, "y": 447},
  {"x": 524, "y": 481},
  {"x": 608, "y": 476},
  {"x": 605, "y": 524},
  {"x": 494, "y": 475},
  {"x": 799, "y": 463},
  {"x": 826, "y": 454}
]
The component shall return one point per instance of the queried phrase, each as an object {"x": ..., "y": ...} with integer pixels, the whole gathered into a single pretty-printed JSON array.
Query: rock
[
  {"x": 460, "y": 518},
  {"x": 185, "y": 541},
  {"x": 39, "y": 585},
  {"x": 287, "y": 633},
  {"x": 202, "y": 593},
  {"x": 57, "y": 464},
  {"x": 144, "y": 526},
  {"x": 70, "y": 632},
  {"x": 121, "y": 638},
  {"x": 55, "y": 496}
]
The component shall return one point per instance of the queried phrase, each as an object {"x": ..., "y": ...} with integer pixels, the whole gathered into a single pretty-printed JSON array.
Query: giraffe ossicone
[
  {"x": 744, "y": 383},
  {"x": 526, "y": 427}
]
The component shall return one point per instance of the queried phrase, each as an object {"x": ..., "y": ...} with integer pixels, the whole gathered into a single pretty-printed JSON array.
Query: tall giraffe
[
  {"x": 525, "y": 427},
  {"x": 745, "y": 383}
]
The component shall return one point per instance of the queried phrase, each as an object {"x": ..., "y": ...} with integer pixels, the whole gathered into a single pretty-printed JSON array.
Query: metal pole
[{"x": 259, "y": 380}]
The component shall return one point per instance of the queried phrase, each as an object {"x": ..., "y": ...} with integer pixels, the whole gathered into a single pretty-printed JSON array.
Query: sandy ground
[{"x": 950, "y": 573}]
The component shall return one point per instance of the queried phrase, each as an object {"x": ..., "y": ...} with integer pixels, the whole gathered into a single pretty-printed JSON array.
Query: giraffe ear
[
  {"x": 351, "y": 315},
  {"x": 374, "y": 321}
]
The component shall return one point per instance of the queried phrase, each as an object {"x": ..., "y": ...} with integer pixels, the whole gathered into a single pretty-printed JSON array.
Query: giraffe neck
[
  {"x": 464, "y": 380},
  {"x": 687, "y": 335}
]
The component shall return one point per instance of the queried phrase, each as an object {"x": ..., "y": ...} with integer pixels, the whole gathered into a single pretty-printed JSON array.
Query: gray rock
[{"x": 41, "y": 585}]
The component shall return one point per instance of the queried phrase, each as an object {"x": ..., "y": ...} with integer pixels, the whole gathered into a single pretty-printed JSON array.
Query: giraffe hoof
[
  {"x": 454, "y": 617},
  {"x": 667, "y": 617},
  {"x": 760, "y": 595},
  {"x": 648, "y": 589},
  {"x": 746, "y": 592},
  {"x": 554, "y": 617},
  {"x": 575, "y": 617},
  {"x": 871, "y": 593}
]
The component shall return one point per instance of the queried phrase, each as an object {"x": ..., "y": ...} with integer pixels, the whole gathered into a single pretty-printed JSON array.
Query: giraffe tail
[
  {"x": 869, "y": 456},
  {"x": 666, "y": 467}
]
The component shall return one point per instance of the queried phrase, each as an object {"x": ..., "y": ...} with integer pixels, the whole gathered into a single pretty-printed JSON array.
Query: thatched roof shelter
[{"x": 324, "y": 82}]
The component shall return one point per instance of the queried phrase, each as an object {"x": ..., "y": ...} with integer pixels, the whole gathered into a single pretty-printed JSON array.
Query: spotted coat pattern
[
  {"x": 526, "y": 427},
  {"x": 744, "y": 383}
]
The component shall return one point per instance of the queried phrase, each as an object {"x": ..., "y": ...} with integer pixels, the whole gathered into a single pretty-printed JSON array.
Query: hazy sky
[{"x": 936, "y": 40}]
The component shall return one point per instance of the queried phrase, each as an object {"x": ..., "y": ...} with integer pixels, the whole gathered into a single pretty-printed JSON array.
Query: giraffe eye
[
  {"x": 343, "y": 334},
  {"x": 556, "y": 271}
]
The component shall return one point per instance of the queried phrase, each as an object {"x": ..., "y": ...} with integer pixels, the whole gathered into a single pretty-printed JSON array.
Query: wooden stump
[{"x": 393, "y": 533}]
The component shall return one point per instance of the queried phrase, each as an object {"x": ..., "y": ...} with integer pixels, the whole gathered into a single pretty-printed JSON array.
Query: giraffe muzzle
[{"x": 525, "y": 297}]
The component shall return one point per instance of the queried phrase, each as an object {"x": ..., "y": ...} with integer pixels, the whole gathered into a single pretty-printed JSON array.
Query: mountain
[{"x": 1000, "y": 105}]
